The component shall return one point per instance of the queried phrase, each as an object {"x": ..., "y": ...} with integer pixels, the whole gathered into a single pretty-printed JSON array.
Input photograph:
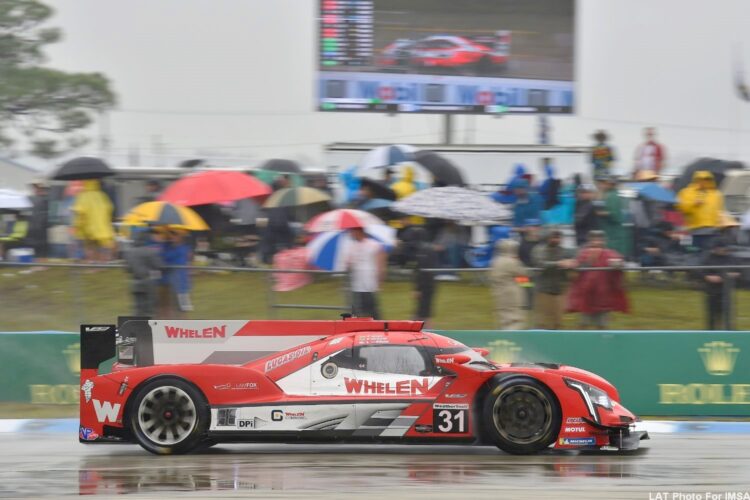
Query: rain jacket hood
[
  {"x": 702, "y": 207},
  {"x": 507, "y": 248},
  {"x": 704, "y": 175}
]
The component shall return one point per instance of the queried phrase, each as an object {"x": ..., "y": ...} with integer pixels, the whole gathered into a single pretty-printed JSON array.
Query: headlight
[{"x": 592, "y": 396}]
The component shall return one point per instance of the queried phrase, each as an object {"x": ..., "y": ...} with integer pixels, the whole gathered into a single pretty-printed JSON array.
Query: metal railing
[{"x": 74, "y": 297}]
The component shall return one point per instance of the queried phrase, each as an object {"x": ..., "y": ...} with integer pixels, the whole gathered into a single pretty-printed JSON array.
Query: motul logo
[
  {"x": 106, "y": 411},
  {"x": 400, "y": 388},
  {"x": 211, "y": 332}
]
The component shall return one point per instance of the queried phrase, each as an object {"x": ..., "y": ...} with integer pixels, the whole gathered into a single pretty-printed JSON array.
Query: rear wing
[{"x": 145, "y": 342}]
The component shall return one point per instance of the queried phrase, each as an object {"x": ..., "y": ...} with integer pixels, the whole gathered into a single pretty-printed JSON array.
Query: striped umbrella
[
  {"x": 385, "y": 156},
  {"x": 329, "y": 250},
  {"x": 161, "y": 213},
  {"x": 296, "y": 197},
  {"x": 342, "y": 218}
]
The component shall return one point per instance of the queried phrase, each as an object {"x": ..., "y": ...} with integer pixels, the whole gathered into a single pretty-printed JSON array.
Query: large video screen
[{"x": 446, "y": 56}]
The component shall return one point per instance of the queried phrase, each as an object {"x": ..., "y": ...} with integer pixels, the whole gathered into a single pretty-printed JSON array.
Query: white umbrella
[
  {"x": 452, "y": 203},
  {"x": 10, "y": 199},
  {"x": 386, "y": 156}
]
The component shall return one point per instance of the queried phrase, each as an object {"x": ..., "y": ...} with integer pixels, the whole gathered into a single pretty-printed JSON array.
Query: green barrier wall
[
  {"x": 657, "y": 373},
  {"x": 40, "y": 367}
]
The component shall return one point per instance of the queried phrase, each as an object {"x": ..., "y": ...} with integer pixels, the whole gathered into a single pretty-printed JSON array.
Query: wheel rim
[
  {"x": 167, "y": 415},
  {"x": 522, "y": 414}
]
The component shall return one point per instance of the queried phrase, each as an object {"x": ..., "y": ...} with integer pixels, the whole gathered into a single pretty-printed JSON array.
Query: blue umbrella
[
  {"x": 653, "y": 191},
  {"x": 375, "y": 204},
  {"x": 329, "y": 250}
]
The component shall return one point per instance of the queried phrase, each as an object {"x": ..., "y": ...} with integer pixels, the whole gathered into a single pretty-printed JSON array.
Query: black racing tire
[
  {"x": 520, "y": 415},
  {"x": 169, "y": 416}
]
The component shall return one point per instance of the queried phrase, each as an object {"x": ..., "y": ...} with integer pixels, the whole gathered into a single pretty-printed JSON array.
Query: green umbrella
[
  {"x": 296, "y": 197},
  {"x": 269, "y": 176}
]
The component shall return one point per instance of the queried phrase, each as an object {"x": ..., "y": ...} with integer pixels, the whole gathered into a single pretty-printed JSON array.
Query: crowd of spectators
[{"x": 543, "y": 257}]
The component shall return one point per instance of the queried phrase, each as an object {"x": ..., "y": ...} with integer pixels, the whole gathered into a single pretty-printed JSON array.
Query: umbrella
[
  {"x": 342, "y": 218},
  {"x": 378, "y": 189},
  {"x": 452, "y": 203},
  {"x": 717, "y": 167},
  {"x": 295, "y": 197},
  {"x": 161, "y": 213},
  {"x": 375, "y": 204},
  {"x": 214, "y": 186},
  {"x": 652, "y": 191},
  {"x": 385, "y": 156},
  {"x": 83, "y": 167},
  {"x": 329, "y": 250},
  {"x": 281, "y": 165},
  {"x": 10, "y": 199},
  {"x": 269, "y": 176},
  {"x": 443, "y": 171}
]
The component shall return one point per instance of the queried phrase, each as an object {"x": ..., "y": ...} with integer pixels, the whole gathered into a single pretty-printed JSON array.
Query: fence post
[
  {"x": 271, "y": 295},
  {"x": 726, "y": 299}
]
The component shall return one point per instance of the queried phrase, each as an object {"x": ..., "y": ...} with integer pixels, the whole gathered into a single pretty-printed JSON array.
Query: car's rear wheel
[
  {"x": 520, "y": 415},
  {"x": 169, "y": 416}
]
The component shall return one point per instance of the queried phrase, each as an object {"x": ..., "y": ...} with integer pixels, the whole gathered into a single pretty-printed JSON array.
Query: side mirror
[
  {"x": 451, "y": 359},
  {"x": 481, "y": 350}
]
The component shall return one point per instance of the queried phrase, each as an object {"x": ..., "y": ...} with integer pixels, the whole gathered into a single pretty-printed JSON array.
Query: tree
[{"x": 44, "y": 110}]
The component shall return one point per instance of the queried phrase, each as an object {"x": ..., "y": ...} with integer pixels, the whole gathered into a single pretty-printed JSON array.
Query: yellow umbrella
[{"x": 162, "y": 213}]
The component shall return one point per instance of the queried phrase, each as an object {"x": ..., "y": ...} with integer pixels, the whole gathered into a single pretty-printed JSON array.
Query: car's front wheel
[
  {"x": 169, "y": 416},
  {"x": 521, "y": 415}
]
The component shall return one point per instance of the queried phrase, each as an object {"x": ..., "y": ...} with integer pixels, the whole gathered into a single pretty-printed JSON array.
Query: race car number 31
[{"x": 450, "y": 418}]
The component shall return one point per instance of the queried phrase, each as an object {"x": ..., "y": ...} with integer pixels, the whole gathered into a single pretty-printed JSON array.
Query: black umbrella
[
  {"x": 444, "y": 172},
  {"x": 378, "y": 189},
  {"x": 718, "y": 168},
  {"x": 83, "y": 167},
  {"x": 281, "y": 165}
]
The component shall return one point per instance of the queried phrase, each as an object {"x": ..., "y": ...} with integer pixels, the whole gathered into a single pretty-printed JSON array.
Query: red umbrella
[
  {"x": 214, "y": 186},
  {"x": 343, "y": 218}
]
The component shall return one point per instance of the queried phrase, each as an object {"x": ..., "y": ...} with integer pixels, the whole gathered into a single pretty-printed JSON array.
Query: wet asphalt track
[{"x": 55, "y": 465}]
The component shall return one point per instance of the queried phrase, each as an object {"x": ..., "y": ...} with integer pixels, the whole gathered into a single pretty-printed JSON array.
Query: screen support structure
[{"x": 447, "y": 128}]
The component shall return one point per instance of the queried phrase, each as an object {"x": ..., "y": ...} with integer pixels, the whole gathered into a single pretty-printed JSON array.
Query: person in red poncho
[{"x": 594, "y": 294}]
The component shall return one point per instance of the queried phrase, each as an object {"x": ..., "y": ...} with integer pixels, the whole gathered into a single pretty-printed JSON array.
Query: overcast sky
[{"x": 236, "y": 78}]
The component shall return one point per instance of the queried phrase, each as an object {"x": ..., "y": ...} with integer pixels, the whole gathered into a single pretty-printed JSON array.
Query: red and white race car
[
  {"x": 448, "y": 51},
  {"x": 179, "y": 386}
]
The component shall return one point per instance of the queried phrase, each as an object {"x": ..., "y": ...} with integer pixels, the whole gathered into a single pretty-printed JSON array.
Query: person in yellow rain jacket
[
  {"x": 92, "y": 221},
  {"x": 406, "y": 185},
  {"x": 702, "y": 204},
  {"x": 403, "y": 188}
]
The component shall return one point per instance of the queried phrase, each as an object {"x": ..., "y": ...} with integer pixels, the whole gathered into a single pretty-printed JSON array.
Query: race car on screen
[
  {"x": 448, "y": 51},
  {"x": 179, "y": 386}
]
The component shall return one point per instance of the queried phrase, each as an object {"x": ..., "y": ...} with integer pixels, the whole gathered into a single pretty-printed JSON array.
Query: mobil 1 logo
[{"x": 450, "y": 418}]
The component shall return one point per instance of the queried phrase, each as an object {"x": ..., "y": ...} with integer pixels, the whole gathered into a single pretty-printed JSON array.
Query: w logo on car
[{"x": 106, "y": 411}]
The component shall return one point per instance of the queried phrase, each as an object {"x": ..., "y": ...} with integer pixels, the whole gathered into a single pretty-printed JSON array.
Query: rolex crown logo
[
  {"x": 73, "y": 357},
  {"x": 503, "y": 351},
  {"x": 718, "y": 357}
]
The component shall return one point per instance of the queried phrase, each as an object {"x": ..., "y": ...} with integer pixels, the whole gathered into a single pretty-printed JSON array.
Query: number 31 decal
[{"x": 453, "y": 421}]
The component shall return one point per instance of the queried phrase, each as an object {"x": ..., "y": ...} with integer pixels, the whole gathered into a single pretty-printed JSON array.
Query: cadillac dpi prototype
[
  {"x": 448, "y": 51},
  {"x": 180, "y": 386}
]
